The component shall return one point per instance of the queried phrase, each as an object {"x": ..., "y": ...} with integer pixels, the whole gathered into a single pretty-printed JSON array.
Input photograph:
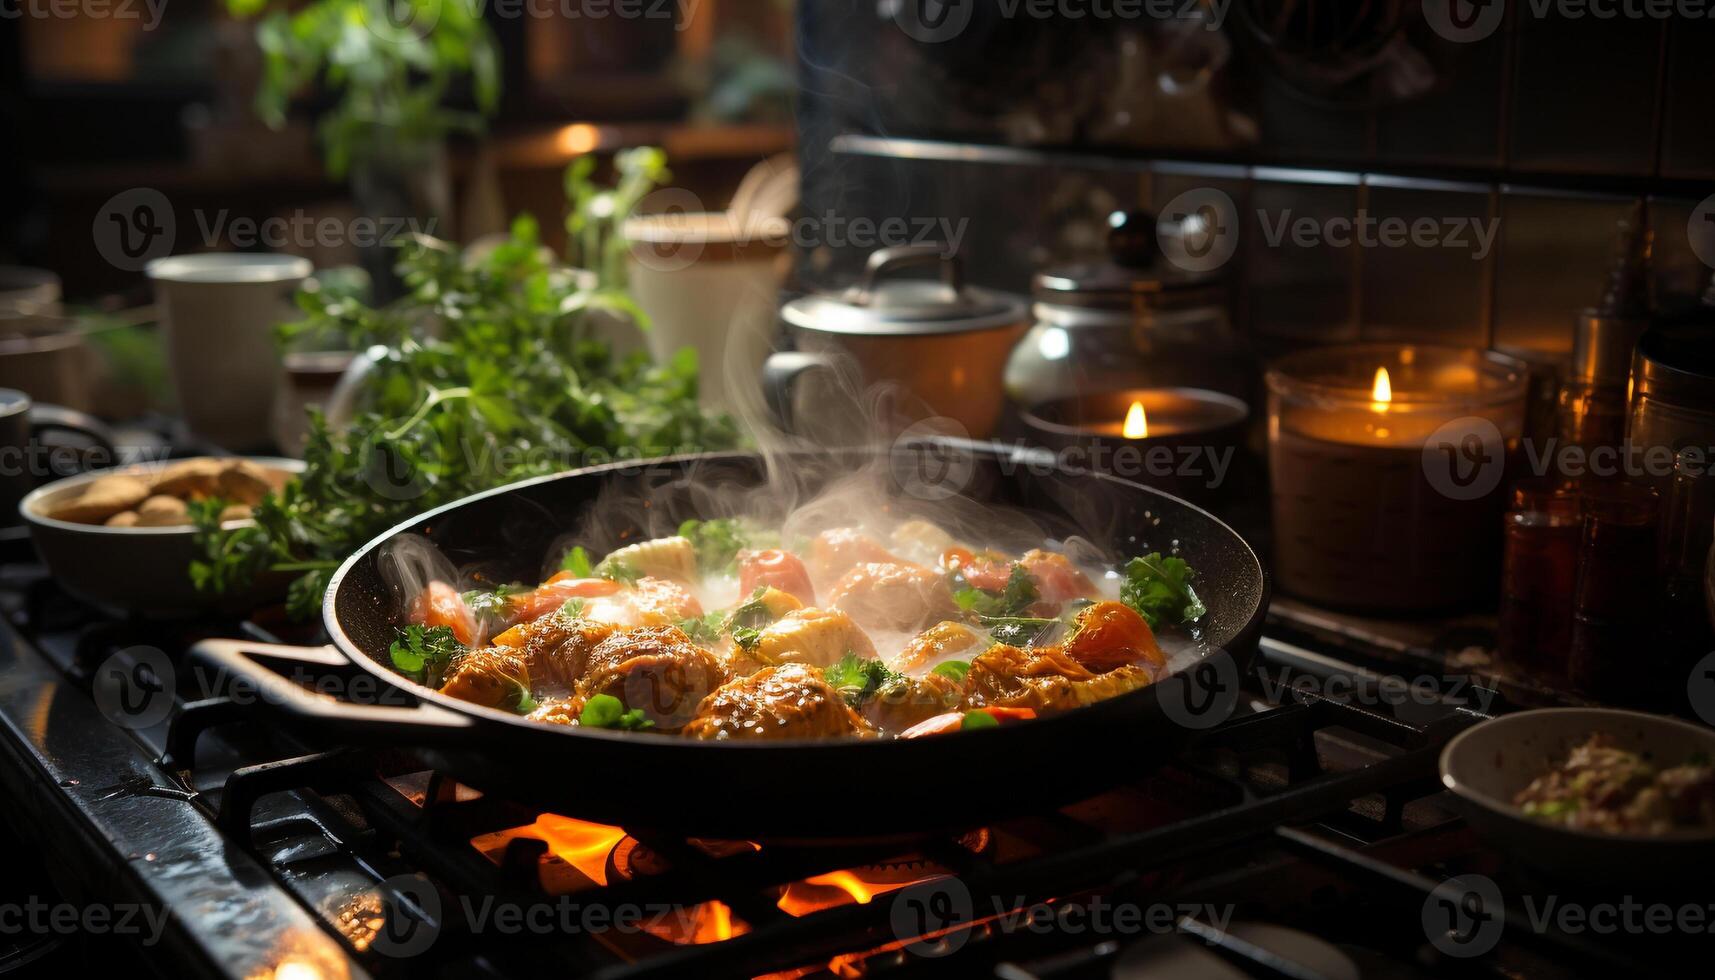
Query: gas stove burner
[{"x": 632, "y": 858}]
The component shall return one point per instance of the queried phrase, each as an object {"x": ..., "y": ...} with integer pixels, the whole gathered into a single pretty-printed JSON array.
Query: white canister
[
  {"x": 218, "y": 312},
  {"x": 712, "y": 284}
]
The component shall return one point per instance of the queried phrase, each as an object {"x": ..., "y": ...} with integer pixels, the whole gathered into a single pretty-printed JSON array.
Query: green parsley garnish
[
  {"x": 577, "y": 561},
  {"x": 856, "y": 679},
  {"x": 746, "y": 637},
  {"x": 1160, "y": 590},
  {"x": 717, "y": 542},
  {"x": 423, "y": 653},
  {"x": 978, "y": 719},
  {"x": 1018, "y": 595},
  {"x": 617, "y": 571},
  {"x": 607, "y": 711},
  {"x": 955, "y": 669}
]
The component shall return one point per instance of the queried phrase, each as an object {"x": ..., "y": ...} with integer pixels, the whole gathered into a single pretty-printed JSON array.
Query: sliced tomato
[
  {"x": 953, "y": 721},
  {"x": 1109, "y": 635},
  {"x": 440, "y": 604},
  {"x": 1056, "y": 578},
  {"x": 986, "y": 574},
  {"x": 777, "y": 569},
  {"x": 551, "y": 595}
]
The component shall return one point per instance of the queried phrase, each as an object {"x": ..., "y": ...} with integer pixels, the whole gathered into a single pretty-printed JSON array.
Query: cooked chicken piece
[
  {"x": 943, "y": 641},
  {"x": 893, "y": 596},
  {"x": 904, "y": 701},
  {"x": 1111, "y": 634},
  {"x": 669, "y": 558},
  {"x": 833, "y": 553},
  {"x": 494, "y": 678},
  {"x": 1044, "y": 678},
  {"x": 662, "y": 603},
  {"x": 921, "y": 541},
  {"x": 559, "y": 711},
  {"x": 649, "y": 602},
  {"x": 656, "y": 669},
  {"x": 557, "y": 649},
  {"x": 813, "y": 636},
  {"x": 789, "y": 701}
]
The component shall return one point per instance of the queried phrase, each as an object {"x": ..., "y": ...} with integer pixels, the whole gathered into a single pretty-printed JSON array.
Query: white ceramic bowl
[
  {"x": 1487, "y": 765},
  {"x": 137, "y": 570}
]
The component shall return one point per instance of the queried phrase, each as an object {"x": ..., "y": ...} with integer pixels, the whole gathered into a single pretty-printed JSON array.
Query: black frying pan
[{"x": 787, "y": 790}]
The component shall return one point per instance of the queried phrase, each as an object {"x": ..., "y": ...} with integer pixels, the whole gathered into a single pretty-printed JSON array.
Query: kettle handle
[
  {"x": 885, "y": 260},
  {"x": 781, "y": 372}
]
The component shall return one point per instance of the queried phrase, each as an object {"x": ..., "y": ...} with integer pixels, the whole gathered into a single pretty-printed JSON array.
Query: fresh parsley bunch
[{"x": 485, "y": 373}]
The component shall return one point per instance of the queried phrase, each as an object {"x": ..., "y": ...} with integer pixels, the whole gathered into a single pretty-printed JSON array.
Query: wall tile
[
  {"x": 1297, "y": 293},
  {"x": 1688, "y": 139},
  {"x": 1437, "y": 292},
  {"x": 1582, "y": 95},
  {"x": 1554, "y": 258},
  {"x": 1459, "y": 122}
]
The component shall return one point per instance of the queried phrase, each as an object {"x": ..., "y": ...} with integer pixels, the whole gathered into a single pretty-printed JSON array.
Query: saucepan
[{"x": 785, "y": 789}]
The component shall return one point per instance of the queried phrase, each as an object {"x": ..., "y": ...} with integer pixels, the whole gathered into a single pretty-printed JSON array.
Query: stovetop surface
[{"x": 1304, "y": 836}]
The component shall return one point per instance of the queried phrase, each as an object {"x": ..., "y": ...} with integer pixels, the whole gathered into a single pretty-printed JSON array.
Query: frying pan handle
[{"x": 395, "y": 715}]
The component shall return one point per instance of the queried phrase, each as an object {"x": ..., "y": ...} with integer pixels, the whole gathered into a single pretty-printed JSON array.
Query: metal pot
[
  {"x": 1130, "y": 321},
  {"x": 945, "y": 342}
]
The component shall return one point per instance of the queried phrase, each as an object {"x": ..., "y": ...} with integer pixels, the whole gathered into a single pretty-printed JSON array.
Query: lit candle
[
  {"x": 1178, "y": 439},
  {"x": 1370, "y": 511}
]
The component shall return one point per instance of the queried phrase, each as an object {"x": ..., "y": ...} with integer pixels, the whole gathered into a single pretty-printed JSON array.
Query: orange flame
[
  {"x": 1382, "y": 391},
  {"x": 1136, "y": 423},
  {"x": 581, "y": 844}
]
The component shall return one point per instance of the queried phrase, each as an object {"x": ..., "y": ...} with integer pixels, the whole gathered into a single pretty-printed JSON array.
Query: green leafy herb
[
  {"x": 423, "y": 653},
  {"x": 1017, "y": 631},
  {"x": 388, "y": 69},
  {"x": 607, "y": 711},
  {"x": 752, "y": 612},
  {"x": 494, "y": 604},
  {"x": 1014, "y": 599},
  {"x": 746, "y": 637},
  {"x": 857, "y": 679},
  {"x": 618, "y": 571},
  {"x": 523, "y": 702},
  {"x": 479, "y": 358},
  {"x": 573, "y": 607},
  {"x": 955, "y": 669},
  {"x": 1160, "y": 590},
  {"x": 577, "y": 561},
  {"x": 704, "y": 629},
  {"x": 978, "y": 719},
  {"x": 717, "y": 542},
  {"x": 1551, "y": 809}
]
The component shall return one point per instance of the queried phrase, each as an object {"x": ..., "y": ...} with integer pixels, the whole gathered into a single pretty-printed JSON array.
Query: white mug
[{"x": 218, "y": 312}]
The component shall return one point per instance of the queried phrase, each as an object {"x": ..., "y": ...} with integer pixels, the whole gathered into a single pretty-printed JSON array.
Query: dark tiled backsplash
[{"x": 1541, "y": 135}]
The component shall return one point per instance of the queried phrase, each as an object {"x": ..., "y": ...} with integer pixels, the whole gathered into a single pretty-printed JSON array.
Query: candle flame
[
  {"x": 1382, "y": 392},
  {"x": 1136, "y": 424}
]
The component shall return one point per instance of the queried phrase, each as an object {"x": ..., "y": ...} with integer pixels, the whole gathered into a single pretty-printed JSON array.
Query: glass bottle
[{"x": 1539, "y": 574}]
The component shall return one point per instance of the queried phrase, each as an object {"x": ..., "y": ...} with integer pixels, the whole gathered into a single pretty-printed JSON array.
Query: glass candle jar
[{"x": 1388, "y": 463}]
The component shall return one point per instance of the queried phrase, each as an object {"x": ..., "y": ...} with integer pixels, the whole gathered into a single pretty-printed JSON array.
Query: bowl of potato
[{"x": 123, "y": 538}]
